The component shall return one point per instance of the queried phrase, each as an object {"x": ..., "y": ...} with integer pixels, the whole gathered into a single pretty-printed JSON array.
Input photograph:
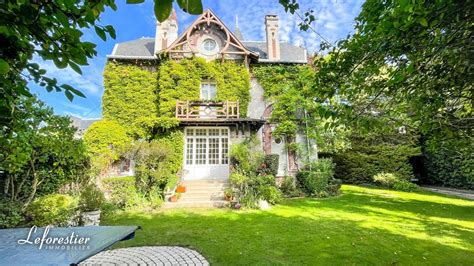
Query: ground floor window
[{"x": 207, "y": 146}]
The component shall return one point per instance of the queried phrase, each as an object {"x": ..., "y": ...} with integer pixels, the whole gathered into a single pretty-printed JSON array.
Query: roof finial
[{"x": 236, "y": 21}]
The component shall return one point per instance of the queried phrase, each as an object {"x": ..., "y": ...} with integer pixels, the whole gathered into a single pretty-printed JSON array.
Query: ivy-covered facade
[{"x": 206, "y": 88}]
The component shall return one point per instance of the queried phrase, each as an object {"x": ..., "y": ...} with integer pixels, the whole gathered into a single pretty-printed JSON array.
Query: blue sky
[{"x": 334, "y": 20}]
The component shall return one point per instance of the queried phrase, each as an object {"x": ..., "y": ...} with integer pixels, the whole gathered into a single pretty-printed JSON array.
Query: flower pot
[
  {"x": 181, "y": 189},
  {"x": 173, "y": 198},
  {"x": 91, "y": 218}
]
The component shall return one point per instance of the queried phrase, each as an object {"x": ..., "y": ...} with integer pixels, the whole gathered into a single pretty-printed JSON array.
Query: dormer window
[{"x": 208, "y": 90}]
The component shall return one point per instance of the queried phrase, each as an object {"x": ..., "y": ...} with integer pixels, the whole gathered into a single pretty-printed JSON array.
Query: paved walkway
[
  {"x": 463, "y": 193},
  {"x": 160, "y": 255}
]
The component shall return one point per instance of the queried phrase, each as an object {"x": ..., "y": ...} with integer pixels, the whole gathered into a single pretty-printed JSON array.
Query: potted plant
[
  {"x": 174, "y": 198},
  {"x": 229, "y": 194},
  {"x": 181, "y": 188},
  {"x": 91, "y": 199}
]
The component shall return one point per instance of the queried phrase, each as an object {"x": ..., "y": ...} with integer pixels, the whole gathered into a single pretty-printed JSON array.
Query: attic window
[{"x": 209, "y": 46}]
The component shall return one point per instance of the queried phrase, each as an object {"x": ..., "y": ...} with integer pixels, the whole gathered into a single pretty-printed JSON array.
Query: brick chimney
[
  {"x": 166, "y": 32},
  {"x": 273, "y": 40}
]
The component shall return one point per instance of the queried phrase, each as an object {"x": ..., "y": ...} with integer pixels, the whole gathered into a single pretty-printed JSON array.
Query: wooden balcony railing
[{"x": 206, "y": 110}]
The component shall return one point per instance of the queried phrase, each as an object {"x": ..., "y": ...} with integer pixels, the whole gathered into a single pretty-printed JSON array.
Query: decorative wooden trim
[{"x": 208, "y": 18}]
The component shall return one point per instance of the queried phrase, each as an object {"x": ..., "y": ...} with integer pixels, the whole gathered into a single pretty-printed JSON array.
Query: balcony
[{"x": 195, "y": 110}]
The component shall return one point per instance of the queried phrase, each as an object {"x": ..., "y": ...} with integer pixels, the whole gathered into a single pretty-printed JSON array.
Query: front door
[{"x": 206, "y": 153}]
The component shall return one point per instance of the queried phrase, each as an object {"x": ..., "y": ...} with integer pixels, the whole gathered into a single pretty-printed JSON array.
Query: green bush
[
  {"x": 366, "y": 159},
  {"x": 289, "y": 188},
  {"x": 270, "y": 193},
  {"x": 152, "y": 166},
  {"x": 386, "y": 179},
  {"x": 91, "y": 198},
  {"x": 10, "y": 214},
  {"x": 53, "y": 209},
  {"x": 318, "y": 179},
  {"x": 122, "y": 193},
  {"x": 271, "y": 164},
  {"x": 449, "y": 162},
  {"x": 393, "y": 181}
]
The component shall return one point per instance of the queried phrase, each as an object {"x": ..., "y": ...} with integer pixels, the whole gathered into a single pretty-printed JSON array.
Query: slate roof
[
  {"x": 288, "y": 53},
  {"x": 143, "y": 49}
]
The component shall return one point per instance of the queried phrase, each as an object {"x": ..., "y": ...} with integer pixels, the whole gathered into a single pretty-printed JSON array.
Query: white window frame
[
  {"x": 220, "y": 136},
  {"x": 208, "y": 95}
]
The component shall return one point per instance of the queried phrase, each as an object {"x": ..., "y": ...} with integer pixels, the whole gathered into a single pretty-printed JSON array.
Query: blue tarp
[{"x": 58, "y": 246}]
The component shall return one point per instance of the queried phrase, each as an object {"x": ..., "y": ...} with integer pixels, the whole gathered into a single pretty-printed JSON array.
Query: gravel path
[{"x": 463, "y": 193}]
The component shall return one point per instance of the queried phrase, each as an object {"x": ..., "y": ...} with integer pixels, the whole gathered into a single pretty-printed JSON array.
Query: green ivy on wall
[
  {"x": 106, "y": 141},
  {"x": 130, "y": 94},
  {"x": 181, "y": 80},
  {"x": 275, "y": 79}
]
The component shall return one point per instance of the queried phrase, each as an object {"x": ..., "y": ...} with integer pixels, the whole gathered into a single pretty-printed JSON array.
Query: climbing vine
[
  {"x": 181, "y": 80},
  {"x": 130, "y": 95}
]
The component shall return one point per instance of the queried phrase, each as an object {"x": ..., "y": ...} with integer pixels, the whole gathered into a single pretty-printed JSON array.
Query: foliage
[
  {"x": 39, "y": 153},
  {"x": 122, "y": 193},
  {"x": 289, "y": 188},
  {"x": 11, "y": 214},
  {"x": 390, "y": 180},
  {"x": 181, "y": 80},
  {"x": 91, "y": 198},
  {"x": 249, "y": 177},
  {"x": 106, "y": 142},
  {"x": 174, "y": 139},
  {"x": 406, "y": 60},
  {"x": 318, "y": 179},
  {"x": 245, "y": 157},
  {"x": 295, "y": 109},
  {"x": 130, "y": 95},
  {"x": 377, "y": 154},
  {"x": 51, "y": 32},
  {"x": 151, "y": 127},
  {"x": 151, "y": 166},
  {"x": 52, "y": 209},
  {"x": 54, "y": 31},
  {"x": 270, "y": 164},
  {"x": 450, "y": 162}
]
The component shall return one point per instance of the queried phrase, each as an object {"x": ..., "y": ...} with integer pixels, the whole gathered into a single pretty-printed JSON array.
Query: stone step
[
  {"x": 206, "y": 186},
  {"x": 193, "y": 194},
  {"x": 196, "y": 204}
]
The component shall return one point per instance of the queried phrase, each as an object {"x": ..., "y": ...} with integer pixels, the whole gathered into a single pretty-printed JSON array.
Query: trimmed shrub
[
  {"x": 53, "y": 209},
  {"x": 365, "y": 160},
  {"x": 318, "y": 180},
  {"x": 10, "y": 214}
]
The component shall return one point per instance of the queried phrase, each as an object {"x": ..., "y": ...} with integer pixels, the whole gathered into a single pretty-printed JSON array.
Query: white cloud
[{"x": 90, "y": 82}]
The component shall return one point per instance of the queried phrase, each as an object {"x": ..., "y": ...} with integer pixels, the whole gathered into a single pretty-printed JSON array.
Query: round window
[{"x": 209, "y": 45}]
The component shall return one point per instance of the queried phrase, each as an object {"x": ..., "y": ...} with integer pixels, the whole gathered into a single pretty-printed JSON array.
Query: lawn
[{"x": 362, "y": 226}]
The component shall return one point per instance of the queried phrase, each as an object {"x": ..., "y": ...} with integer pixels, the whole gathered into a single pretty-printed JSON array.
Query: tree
[
  {"x": 39, "y": 154},
  {"x": 52, "y": 30},
  {"x": 407, "y": 61}
]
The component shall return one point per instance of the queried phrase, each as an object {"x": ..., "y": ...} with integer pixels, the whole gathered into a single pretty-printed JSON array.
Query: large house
[{"x": 210, "y": 127}]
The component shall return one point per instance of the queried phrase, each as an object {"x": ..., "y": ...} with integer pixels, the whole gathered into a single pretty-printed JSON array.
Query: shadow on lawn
[{"x": 357, "y": 227}]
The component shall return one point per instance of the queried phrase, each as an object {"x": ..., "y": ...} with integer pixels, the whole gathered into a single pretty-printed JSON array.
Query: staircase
[{"x": 201, "y": 194}]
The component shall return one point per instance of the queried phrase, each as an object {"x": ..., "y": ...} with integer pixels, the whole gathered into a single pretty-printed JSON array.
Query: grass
[{"x": 365, "y": 226}]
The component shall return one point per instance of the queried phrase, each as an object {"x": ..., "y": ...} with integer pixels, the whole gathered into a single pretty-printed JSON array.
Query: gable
[{"x": 208, "y": 37}]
